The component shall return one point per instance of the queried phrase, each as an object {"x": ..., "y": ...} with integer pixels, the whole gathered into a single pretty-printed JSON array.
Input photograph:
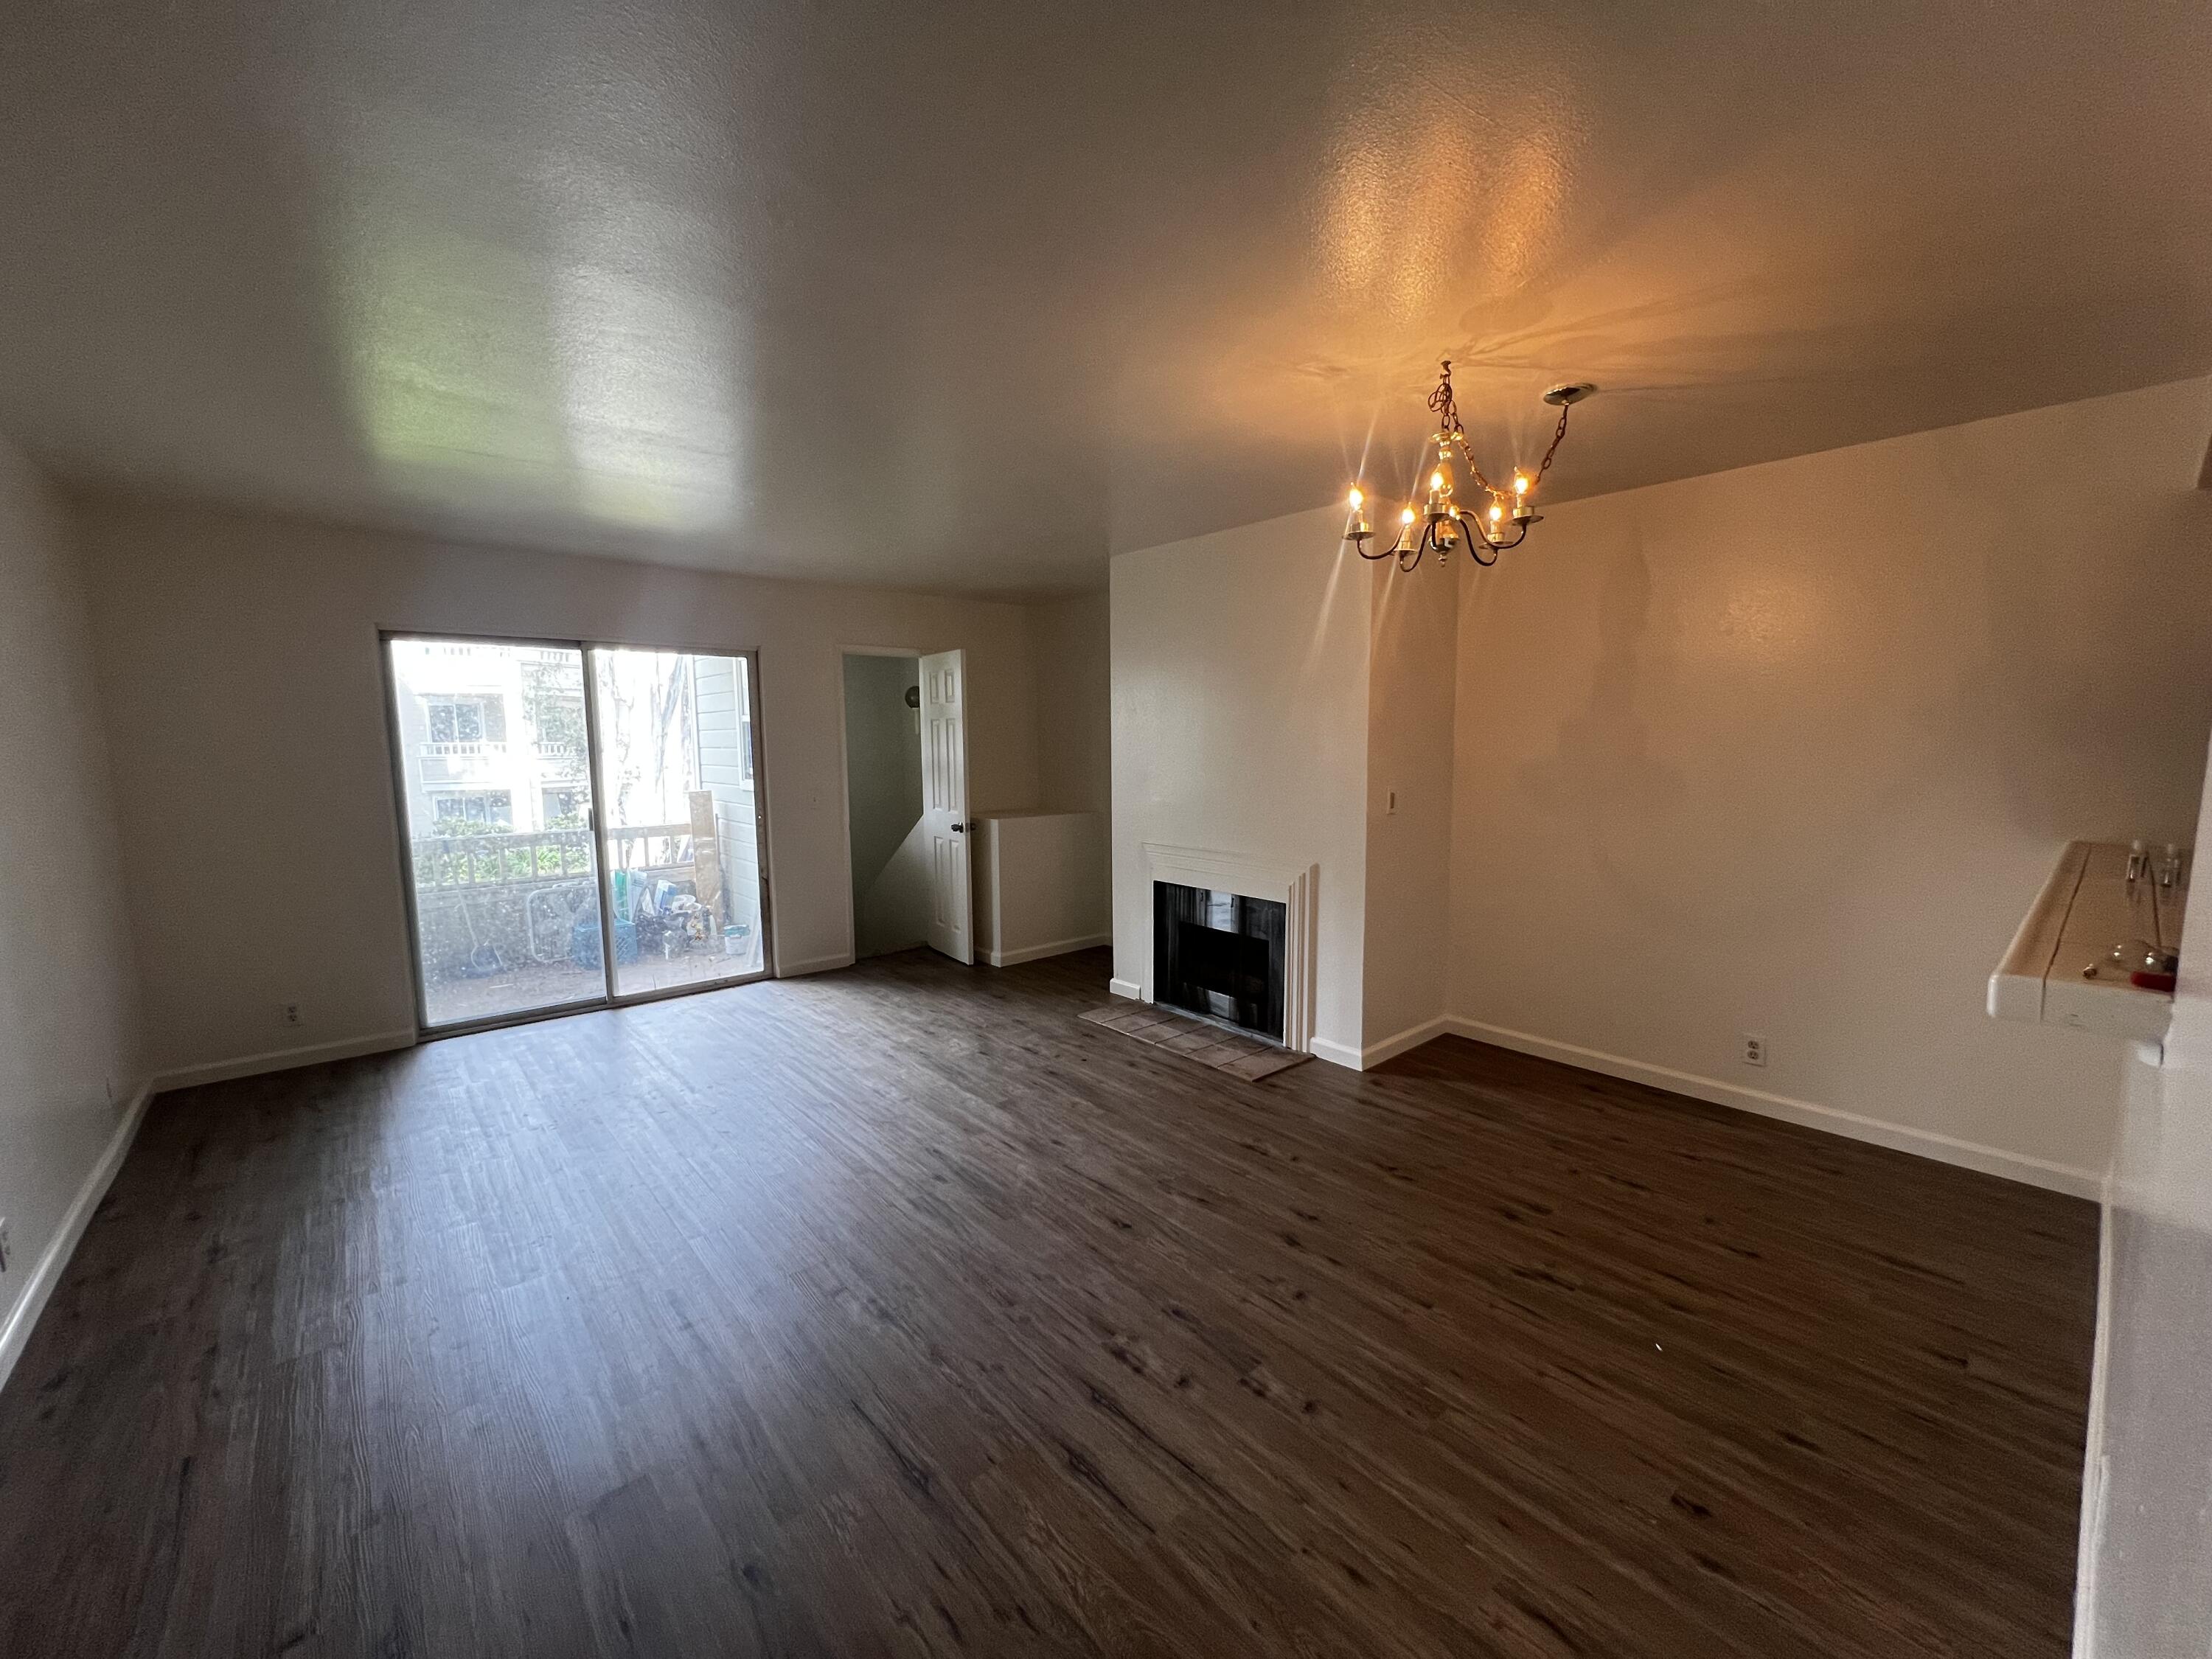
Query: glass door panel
[
  {"x": 679, "y": 827},
  {"x": 492, "y": 756}
]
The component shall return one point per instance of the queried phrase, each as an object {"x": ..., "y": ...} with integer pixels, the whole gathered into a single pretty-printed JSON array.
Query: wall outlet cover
[
  {"x": 1754, "y": 1048},
  {"x": 289, "y": 1012}
]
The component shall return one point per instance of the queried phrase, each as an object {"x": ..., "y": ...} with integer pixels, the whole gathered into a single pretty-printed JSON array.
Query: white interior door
[{"x": 945, "y": 801}]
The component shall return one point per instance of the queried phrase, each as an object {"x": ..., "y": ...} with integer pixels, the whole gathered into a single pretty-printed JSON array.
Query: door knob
[{"x": 959, "y": 829}]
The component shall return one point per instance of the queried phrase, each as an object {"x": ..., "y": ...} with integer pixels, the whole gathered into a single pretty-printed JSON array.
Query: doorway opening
[
  {"x": 883, "y": 802},
  {"x": 906, "y": 801},
  {"x": 582, "y": 823}
]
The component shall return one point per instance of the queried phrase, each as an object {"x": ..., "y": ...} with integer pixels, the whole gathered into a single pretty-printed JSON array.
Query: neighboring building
[{"x": 491, "y": 736}]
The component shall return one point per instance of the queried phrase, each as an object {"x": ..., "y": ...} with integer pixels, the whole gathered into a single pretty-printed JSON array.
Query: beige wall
[
  {"x": 1414, "y": 646},
  {"x": 1239, "y": 726},
  {"x": 1789, "y": 750},
  {"x": 239, "y": 664},
  {"x": 69, "y": 1051},
  {"x": 1074, "y": 731}
]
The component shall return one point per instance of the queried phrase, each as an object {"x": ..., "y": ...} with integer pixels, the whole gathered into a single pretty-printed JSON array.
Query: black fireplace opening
[{"x": 1220, "y": 955}]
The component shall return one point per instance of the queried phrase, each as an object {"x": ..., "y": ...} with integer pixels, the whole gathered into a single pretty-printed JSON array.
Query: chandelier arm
[
  {"x": 1420, "y": 546},
  {"x": 1478, "y": 532},
  {"x": 1478, "y": 559},
  {"x": 1388, "y": 552}
]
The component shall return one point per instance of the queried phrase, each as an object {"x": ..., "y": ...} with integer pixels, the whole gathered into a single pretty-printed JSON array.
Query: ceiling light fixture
[{"x": 1443, "y": 524}]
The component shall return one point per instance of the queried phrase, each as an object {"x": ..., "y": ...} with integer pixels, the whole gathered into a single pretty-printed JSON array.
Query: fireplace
[
  {"x": 1220, "y": 954},
  {"x": 1214, "y": 880}
]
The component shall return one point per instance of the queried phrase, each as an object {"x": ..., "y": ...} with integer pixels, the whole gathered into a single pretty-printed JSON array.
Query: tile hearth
[{"x": 1250, "y": 1058}]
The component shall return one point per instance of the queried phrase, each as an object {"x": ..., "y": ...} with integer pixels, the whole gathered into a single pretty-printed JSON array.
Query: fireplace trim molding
[{"x": 1292, "y": 886}]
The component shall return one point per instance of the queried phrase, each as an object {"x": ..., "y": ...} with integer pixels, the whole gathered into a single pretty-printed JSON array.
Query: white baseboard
[
  {"x": 1336, "y": 1053},
  {"x": 1413, "y": 1036},
  {"x": 281, "y": 1059},
  {"x": 31, "y": 1301},
  {"x": 1127, "y": 988},
  {"x": 1058, "y": 947},
  {"x": 2095, "y": 1473},
  {"x": 1373, "y": 1054},
  {"x": 1945, "y": 1149},
  {"x": 814, "y": 965}
]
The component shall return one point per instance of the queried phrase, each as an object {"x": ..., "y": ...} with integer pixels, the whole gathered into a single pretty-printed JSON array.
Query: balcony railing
[
  {"x": 559, "y": 761},
  {"x": 452, "y": 748},
  {"x": 543, "y": 855}
]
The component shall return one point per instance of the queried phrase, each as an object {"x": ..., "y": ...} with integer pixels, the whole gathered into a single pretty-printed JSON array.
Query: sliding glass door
[
  {"x": 676, "y": 796},
  {"x": 582, "y": 823},
  {"x": 497, "y": 796}
]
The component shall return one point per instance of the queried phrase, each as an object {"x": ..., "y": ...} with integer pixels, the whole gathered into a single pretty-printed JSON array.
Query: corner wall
[
  {"x": 240, "y": 671},
  {"x": 1789, "y": 751},
  {"x": 1075, "y": 770},
  {"x": 2145, "y": 1586},
  {"x": 70, "y": 1061},
  {"x": 1414, "y": 653},
  {"x": 1239, "y": 726}
]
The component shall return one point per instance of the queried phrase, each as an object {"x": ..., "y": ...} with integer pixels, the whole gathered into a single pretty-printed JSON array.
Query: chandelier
[{"x": 1443, "y": 524}]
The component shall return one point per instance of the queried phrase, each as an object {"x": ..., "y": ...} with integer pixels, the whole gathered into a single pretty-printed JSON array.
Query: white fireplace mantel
[{"x": 1292, "y": 886}]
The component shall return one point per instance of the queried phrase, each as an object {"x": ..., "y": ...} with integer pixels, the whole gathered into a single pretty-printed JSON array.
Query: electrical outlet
[
  {"x": 1754, "y": 1048},
  {"x": 7, "y": 1249},
  {"x": 289, "y": 1012}
]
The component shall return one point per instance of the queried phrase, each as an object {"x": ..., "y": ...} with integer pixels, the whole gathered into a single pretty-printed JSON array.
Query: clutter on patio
[{"x": 493, "y": 907}]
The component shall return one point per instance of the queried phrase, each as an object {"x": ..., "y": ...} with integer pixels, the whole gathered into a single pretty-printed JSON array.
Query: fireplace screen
[{"x": 1220, "y": 954}]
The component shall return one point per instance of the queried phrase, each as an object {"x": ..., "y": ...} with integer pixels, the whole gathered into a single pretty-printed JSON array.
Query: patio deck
[
  {"x": 533, "y": 985},
  {"x": 522, "y": 900}
]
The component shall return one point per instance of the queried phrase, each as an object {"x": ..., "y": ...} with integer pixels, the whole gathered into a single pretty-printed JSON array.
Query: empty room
[{"x": 838, "y": 829}]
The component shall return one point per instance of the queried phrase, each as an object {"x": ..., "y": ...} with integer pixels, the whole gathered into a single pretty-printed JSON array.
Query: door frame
[
  {"x": 609, "y": 997},
  {"x": 845, "y": 780}
]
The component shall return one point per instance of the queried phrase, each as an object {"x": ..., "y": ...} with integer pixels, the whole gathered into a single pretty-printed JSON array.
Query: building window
[
  {"x": 456, "y": 809},
  {"x": 746, "y": 747},
  {"x": 467, "y": 719},
  {"x": 564, "y": 808}
]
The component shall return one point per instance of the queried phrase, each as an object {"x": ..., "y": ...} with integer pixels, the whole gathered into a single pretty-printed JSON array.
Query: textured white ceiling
[{"x": 965, "y": 297}]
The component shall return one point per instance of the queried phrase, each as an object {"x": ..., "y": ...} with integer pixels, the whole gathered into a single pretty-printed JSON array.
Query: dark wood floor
[{"x": 898, "y": 1311}]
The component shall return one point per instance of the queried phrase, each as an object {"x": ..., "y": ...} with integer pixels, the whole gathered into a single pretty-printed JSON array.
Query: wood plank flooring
[{"x": 898, "y": 1311}]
